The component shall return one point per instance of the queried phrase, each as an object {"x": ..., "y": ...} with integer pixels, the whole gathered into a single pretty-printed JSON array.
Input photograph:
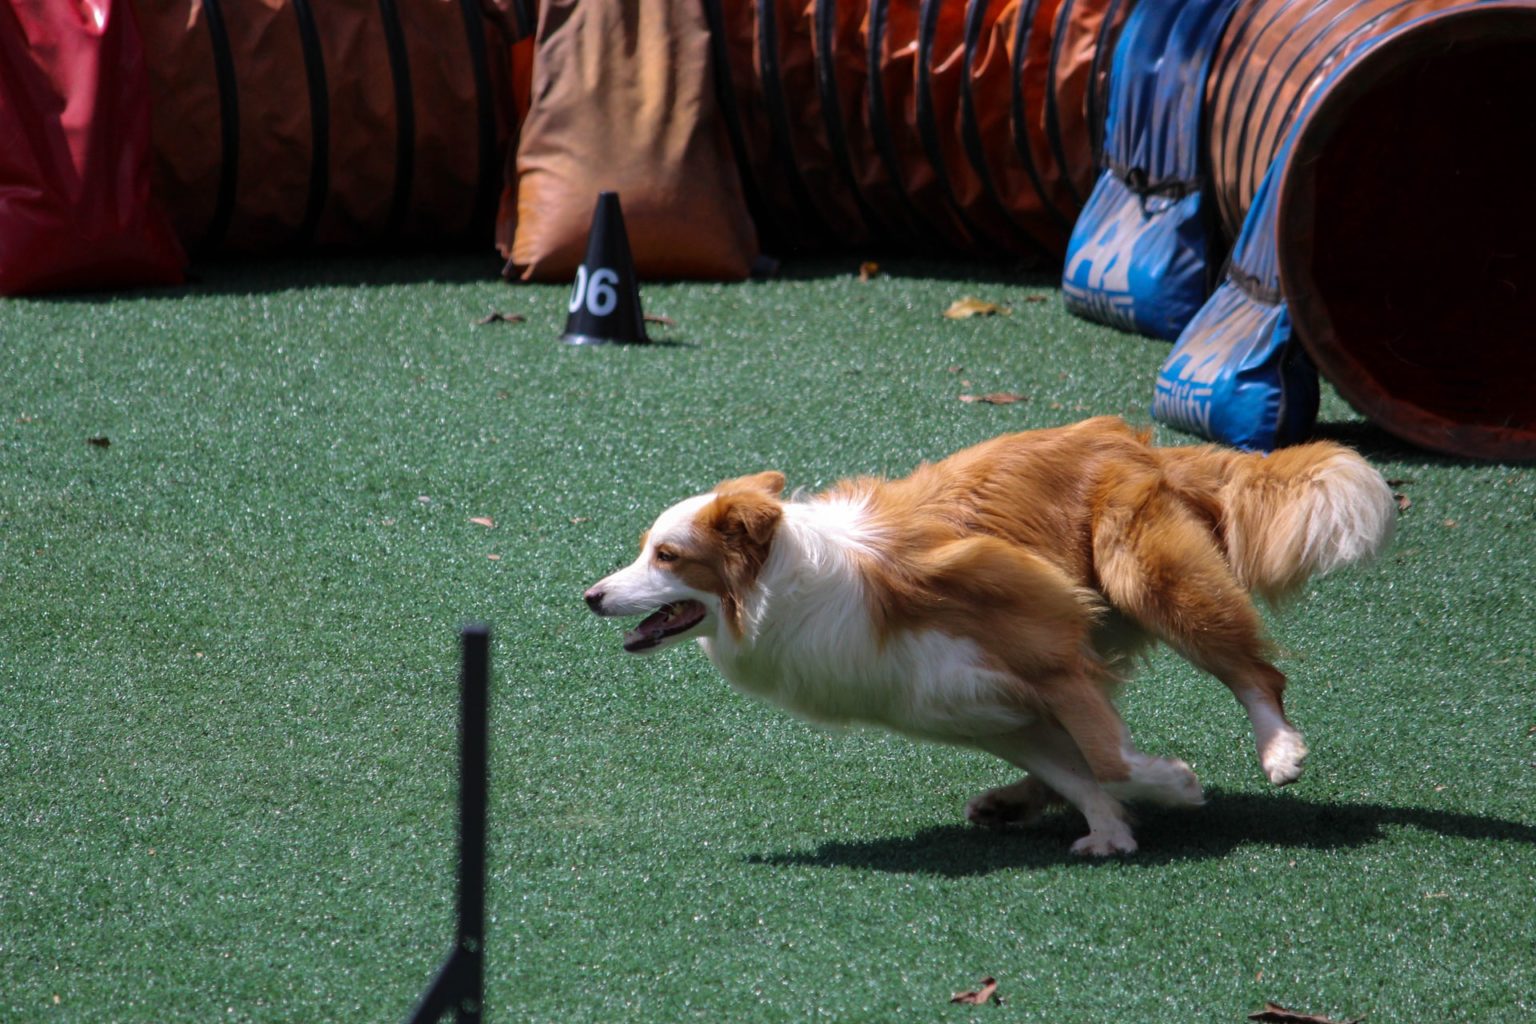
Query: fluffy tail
[{"x": 1285, "y": 517}]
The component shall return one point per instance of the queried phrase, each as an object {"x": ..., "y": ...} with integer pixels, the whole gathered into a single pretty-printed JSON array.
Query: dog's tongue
[{"x": 668, "y": 620}]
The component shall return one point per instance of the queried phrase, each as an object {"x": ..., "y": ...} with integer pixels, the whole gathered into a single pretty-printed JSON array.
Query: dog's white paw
[
  {"x": 1105, "y": 843},
  {"x": 1188, "y": 790},
  {"x": 1168, "y": 781},
  {"x": 1284, "y": 757}
]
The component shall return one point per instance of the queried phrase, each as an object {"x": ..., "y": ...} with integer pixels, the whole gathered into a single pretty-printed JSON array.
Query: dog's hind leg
[
  {"x": 1159, "y": 565},
  {"x": 1259, "y": 686}
]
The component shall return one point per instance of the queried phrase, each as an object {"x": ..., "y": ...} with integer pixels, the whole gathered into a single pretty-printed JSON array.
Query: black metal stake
[{"x": 460, "y": 982}]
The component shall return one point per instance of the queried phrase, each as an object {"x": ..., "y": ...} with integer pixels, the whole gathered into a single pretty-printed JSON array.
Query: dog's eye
[{"x": 665, "y": 554}]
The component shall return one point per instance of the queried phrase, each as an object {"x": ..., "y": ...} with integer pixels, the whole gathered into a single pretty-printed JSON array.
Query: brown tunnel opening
[{"x": 1407, "y": 235}]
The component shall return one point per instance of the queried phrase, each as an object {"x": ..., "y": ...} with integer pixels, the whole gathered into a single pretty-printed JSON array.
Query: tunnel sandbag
[
  {"x": 76, "y": 208},
  {"x": 1405, "y": 249},
  {"x": 1238, "y": 374},
  {"x": 1143, "y": 249},
  {"x": 624, "y": 101},
  {"x": 281, "y": 124}
]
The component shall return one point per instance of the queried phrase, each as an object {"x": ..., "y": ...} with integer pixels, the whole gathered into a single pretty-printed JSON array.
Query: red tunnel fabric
[{"x": 76, "y": 210}]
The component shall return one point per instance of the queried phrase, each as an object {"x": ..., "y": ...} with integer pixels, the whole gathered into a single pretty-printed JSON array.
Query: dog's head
[{"x": 697, "y": 563}]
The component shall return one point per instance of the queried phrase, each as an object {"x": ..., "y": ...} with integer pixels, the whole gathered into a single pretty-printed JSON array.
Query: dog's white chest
[{"x": 924, "y": 683}]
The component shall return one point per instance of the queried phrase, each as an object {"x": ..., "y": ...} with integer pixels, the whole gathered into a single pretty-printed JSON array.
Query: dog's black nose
[{"x": 594, "y": 598}]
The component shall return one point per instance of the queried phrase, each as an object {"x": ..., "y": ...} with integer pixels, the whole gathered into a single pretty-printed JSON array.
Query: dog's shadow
[{"x": 1226, "y": 822}]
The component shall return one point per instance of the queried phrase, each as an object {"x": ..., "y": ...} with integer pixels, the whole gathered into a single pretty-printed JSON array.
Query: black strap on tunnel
[
  {"x": 229, "y": 128},
  {"x": 970, "y": 128},
  {"x": 523, "y": 18},
  {"x": 832, "y": 112},
  {"x": 1052, "y": 108},
  {"x": 1235, "y": 30},
  {"x": 927, "y": 121},
  {"x": 880, "y": 124},
  {"x": 1277, "y": 47},
  {"x": 1023, "y": 28},
  {"x": 319, "y": 123},
  {"x": 405, "y": 117},
  {"x": 725, "y": 96},
  {"x": 488, "y": 187},
  {"x": 778, "y": 117}
]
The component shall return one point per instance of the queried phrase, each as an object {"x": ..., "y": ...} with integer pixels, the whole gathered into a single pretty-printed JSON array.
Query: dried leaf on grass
[
  {"x": 658, "y": 319},
  {"x": 995, "y": 398},
  {"x": 868, "y": 271},
  {"x": 1273, "y": 1013},
  {"x": 100, "y": 441},
  {"x": 1036, "y": 298},
  {"x": 501, "y": 318},
  {"x": 485, "y": 521},
  {"x": 986, "y": 994},
  {"x": 970, "y": 306}
]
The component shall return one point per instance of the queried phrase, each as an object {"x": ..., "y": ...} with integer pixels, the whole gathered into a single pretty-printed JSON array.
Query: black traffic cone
[{"x": 605, "y": 298}]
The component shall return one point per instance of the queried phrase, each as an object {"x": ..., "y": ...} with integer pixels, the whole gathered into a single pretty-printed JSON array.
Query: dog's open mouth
[{"x": 664, "y": 623}]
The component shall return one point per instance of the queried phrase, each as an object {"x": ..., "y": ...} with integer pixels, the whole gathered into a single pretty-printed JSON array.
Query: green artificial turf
[{"x": 228, "y": 682}]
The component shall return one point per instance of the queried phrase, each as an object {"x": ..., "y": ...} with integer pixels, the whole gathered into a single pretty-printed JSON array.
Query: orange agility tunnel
[{"x": 284, "y": 124}]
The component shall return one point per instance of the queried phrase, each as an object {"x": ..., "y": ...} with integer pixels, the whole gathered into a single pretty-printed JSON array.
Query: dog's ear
[
  {"x": 743, "y": 523},
  {"x": 746, "y": 519},
  {"x": 769, "y": 482}
]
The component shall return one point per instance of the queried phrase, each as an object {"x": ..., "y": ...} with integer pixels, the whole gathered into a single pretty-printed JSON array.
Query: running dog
[{"x": 997, "y": 598}]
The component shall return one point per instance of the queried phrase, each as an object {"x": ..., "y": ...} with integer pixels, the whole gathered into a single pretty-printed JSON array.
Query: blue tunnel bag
[
  {"x": 1238, "y": 374},
  {"x": 1140, "y": 255}
]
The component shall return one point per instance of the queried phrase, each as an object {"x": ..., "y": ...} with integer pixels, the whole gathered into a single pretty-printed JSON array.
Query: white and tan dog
[{"x": 995, "y": 599}]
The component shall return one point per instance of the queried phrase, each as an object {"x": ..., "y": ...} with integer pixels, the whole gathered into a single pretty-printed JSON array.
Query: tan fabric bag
[{"x": 623, "y": 100}]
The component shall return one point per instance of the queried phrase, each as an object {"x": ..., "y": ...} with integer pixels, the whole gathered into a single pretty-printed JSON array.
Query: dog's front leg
[
  {"x": 1017, "y": 804},
  {"x": 1047, "y": 752}
]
